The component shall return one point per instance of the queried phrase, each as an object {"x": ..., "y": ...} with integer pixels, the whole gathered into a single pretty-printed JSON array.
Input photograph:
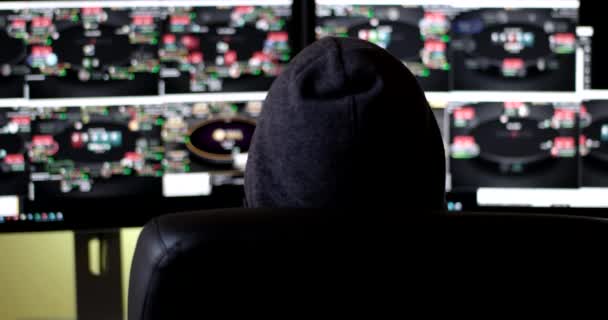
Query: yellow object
[{"x": 37, "y": 274}]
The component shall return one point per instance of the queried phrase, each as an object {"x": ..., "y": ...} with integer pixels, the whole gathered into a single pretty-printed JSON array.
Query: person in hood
[{"x": 346, "y": 126}]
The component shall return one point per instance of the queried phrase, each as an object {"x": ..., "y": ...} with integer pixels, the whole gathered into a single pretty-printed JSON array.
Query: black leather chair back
[{"x": 297, "y": 262}]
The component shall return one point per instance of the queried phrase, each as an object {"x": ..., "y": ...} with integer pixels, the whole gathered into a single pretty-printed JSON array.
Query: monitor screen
[{"x": 111, "y": 109}]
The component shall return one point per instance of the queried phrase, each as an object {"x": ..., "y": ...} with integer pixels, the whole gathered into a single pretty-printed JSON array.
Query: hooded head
[{"x": 346, "y": 125}]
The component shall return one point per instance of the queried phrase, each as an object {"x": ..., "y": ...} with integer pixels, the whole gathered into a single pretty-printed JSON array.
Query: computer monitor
[
  {"x": 509, "y": 83},
  {"x": 113, "y": 112}
]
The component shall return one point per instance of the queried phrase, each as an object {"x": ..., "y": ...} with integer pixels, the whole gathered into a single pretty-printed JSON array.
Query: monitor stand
[{"x": 98, "y": 275}]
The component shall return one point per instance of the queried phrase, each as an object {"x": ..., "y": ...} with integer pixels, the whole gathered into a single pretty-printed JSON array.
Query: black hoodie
[{"x": 346, "y": 126}]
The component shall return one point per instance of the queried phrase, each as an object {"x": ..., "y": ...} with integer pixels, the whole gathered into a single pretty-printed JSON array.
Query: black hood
[{"x": 346, "y": 125}]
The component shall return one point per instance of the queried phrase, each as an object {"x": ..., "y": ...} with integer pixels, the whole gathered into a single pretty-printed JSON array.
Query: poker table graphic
[
  {"x": 245, "y": 42},
  {"x": 215, "y": 140},
  {"x": 497, "y": 147},
  {"x": 73, "y": 148},
  {"x": 509, "y": 149},
  {"x": 400, "y": 34},
  {"x": 225, "y": 42},
  {"x": 110, "y": 49},
  {"x": 401, "y": 37},
  {"x": 519, "y": 50},
  {"x": 82, "y": 153}
]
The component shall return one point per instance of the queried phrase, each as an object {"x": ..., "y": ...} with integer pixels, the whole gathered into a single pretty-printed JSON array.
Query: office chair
[{"x": 292, "y": 263}]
